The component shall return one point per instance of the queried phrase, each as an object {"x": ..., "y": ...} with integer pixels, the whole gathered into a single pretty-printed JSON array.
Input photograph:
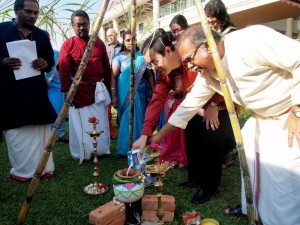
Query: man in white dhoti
[
  {"x": 26, "y": 112},
  {"x": 263, "y": 74},
  {"x": 92, "y": 96}
]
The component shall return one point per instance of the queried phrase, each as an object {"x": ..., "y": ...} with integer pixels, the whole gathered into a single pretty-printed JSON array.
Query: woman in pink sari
[{"x": 174, "y": 152}]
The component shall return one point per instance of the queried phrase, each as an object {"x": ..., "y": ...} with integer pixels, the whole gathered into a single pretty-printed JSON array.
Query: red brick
[
  {"x": 119, "y": 221},
  {"x": 151, "y": 216},
  {"x": 107, "y": 213},
  {"x": 149, "y": 203}
]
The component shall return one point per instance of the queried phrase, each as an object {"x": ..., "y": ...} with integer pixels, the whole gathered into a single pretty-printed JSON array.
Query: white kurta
[{"x": 263, "y": 69}]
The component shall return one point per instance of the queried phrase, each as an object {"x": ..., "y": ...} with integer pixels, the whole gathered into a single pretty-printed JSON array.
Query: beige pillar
[
  {"x": 102, "y": 34},
  {"x": 156, "y": 14},
  {"x": 289, "y": 27},
  {"x": 115, "y": 25}
]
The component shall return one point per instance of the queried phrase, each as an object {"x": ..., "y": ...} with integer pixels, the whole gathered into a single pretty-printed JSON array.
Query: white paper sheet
[{"x": 25, "y": 50}]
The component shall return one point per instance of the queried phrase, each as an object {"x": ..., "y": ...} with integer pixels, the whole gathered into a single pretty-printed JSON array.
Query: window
[
  {"x": 141, "y": 28},
  {"x": 121, "y": 33},
  {"x": 172, "y": 8},
  {"x": 176, "y": 6}
]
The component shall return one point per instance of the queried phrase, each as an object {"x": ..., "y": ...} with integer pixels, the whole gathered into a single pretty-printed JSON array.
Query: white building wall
[{"x": 192, "y": 17}]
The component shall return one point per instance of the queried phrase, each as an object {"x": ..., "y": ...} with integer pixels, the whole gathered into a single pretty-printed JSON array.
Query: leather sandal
[
  {"x": 229, "y": 158},
  {"x": 235, "y": 210},
  {"x": 226, "y": 165}
]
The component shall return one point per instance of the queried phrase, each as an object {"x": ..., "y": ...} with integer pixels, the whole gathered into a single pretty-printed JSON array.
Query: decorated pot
[
  {"x": 128, "y": 187},
  {"x": 129, "y": 192}
]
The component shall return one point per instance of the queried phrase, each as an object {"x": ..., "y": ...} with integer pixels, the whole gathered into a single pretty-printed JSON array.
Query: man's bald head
[{"x": 111, "y": 36}]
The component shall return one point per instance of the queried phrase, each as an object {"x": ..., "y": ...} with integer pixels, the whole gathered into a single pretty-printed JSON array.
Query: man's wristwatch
[
  {"x": 296, "y": 112},
  {"x": 213, "y": 104}
]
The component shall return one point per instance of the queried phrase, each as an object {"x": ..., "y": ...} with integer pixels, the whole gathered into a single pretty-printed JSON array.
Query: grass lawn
[{"x": 61, "y": 200}]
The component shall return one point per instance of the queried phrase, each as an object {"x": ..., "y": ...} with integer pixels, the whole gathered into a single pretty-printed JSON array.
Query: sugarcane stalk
[
  {"x": 61, "y": 117},
  {"x": 231, "y": 110},
  {"x": 132, "y": 69}
]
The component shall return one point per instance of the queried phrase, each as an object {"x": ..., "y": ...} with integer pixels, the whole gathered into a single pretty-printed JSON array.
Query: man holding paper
[{"x": 26, "y": 112}]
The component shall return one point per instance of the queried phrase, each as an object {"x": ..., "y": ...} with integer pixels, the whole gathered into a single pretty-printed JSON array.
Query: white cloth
[
  {"x": 25, "y": 147},
  {"x": 81, "y": 144},
  {"x": 101, "y": 94},
  {"x": 263, "y": 74},
  {"x": 279, "y": 198}
]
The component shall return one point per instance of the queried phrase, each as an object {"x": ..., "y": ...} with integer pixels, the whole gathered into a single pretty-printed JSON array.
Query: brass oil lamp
[
  {"x": 95, "y": 188},
  {"x": 158, "y": 170}
]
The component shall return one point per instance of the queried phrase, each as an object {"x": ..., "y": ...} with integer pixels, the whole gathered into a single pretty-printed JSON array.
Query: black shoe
[
  {"x": 1, "y": 135},
  {"x": 121, "y": 156},
  {"x": 63, "y": 139},
  {"x": 188, "y": 184},
  {"x": 201, "y": 196}
]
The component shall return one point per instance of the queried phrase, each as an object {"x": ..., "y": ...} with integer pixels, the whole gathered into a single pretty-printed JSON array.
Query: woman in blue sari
[
  {"x": 56, "y": 97},
  {"x": 120, "y": 89}
]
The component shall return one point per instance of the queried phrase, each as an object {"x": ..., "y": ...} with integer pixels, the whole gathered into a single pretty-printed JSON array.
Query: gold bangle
[{"x": 112, "y": 88}]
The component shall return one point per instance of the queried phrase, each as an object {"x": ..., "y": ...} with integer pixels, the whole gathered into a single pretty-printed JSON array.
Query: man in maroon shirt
[{"x": 92, "y": 96}]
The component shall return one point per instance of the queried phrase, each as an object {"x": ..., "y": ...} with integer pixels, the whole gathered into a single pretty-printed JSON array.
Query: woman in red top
[{"x": 169, "y": 78}]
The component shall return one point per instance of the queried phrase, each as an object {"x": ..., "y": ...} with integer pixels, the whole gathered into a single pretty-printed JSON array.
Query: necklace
[{"x": 29, "y": 35}]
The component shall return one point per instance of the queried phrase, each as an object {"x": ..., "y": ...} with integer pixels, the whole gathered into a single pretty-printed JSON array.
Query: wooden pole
[
  {"x": 61, "y": 117},
  {"x": 231, "y": 110},
  {"x": 132, "y": 69}
]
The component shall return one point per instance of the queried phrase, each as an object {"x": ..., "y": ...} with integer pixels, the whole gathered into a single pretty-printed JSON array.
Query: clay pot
[{"x": 131, "y": 174}]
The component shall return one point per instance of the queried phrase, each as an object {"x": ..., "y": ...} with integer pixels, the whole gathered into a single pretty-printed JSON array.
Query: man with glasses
[
  {"x": 113, "y": 46},
  {"x": 91, "y": 98},
  {"x": 203, "y": 144},
  {"x": 26, "y": 112},
  {"x": 263, "y": 74}
]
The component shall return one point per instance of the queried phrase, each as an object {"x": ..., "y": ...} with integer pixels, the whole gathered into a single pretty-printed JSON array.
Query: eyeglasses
[
  {"x": 79, "y": 25},
  {"x": 29, "y": 11},
  {"x": 190, "y": 59},
  {"x": 111, "y": 35},
  {"x": 152, "y": 65},
  {"x": 176, "y": 31}
]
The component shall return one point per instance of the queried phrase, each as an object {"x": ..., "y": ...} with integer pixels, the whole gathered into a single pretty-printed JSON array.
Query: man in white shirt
[
  {"x": 263, "y": 74},
  {"x": 113, "y": 46}
]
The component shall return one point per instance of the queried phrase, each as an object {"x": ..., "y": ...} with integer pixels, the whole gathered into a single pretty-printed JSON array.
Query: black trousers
[
  {"x": 205, "y": 150},
  {"x": 1, "y": 135}
]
